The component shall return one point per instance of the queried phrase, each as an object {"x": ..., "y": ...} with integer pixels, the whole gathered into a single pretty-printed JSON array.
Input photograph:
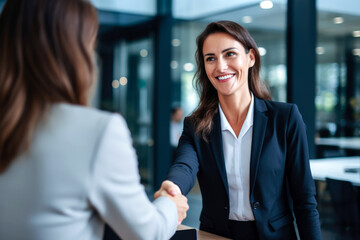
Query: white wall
[
  {"x": 188, "y": 9},
  {"x": 340, "y": 6},
  {"x": 143, "y": 7}
]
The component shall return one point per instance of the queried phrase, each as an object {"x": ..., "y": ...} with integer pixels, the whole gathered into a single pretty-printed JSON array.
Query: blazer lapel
[
  {"x": 259, "y": 129},
  {"x": 216, "y": 146}
]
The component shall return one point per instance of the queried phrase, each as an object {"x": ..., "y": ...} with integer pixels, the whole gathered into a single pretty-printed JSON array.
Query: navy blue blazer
[{"x": 281, "y": 185}]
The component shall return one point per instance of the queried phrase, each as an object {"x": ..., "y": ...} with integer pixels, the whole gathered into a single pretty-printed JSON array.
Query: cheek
[
  {"x": 240, "y": 64},
  {"x": 208, "y": 71},
  {"x": 243, "y": 66}
]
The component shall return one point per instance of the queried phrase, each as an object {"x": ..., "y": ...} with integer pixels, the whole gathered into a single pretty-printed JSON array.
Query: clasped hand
[{"x": 172, "y": 191}]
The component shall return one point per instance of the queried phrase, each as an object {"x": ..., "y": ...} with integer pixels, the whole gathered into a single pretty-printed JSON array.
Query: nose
[{"x": 222, "y": 65}]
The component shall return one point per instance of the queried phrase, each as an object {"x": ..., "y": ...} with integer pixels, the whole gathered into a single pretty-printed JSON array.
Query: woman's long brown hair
[
  {"x": 46, "y": 56},
  {"x": 208, "y": 106}
]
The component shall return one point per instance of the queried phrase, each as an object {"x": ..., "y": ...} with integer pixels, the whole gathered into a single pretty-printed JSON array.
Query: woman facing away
[
  {"x": 65, "y": 169},
  {"x": 249, "y": 154}
]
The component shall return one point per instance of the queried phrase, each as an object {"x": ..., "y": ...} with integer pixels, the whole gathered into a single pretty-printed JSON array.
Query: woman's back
[
  {"x": 65, "y": 169},
  {"x": 80, "y": 171}
]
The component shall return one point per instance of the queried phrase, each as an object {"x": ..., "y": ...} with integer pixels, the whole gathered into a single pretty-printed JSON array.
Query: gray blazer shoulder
[{"x": 80, "y": 173}]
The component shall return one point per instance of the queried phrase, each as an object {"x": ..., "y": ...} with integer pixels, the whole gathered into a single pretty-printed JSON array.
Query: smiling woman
[
  {"x": 249, "y": 153},
  {"x": 227, "y": 65},
  {"x": 236, "y": 44}
]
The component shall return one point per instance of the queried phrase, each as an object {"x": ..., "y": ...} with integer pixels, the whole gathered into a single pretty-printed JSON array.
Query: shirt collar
[
  {"x": 225, "y": 125},
  {"x": 249, "y": 120}
]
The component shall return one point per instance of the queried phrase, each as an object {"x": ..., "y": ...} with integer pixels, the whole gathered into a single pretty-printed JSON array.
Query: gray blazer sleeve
[{"x": 118, "y": 196}]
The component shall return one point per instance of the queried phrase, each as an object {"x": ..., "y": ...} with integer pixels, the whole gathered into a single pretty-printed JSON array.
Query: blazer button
[
  {"x": 226, "y": 208},
  {"x": 256, "y": 205}
]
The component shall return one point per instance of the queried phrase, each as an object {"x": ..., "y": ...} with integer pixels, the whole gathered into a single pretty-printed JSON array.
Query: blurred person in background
[
  {"x": 249, "y": 154},
  {"x": 66, "y": 169},
  {"x": 176, "y": 125}
]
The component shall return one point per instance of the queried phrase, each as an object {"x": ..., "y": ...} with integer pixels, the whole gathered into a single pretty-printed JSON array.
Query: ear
[{"x": 251, "y": 56}]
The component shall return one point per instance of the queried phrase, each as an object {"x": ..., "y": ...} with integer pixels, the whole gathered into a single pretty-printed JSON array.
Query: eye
[
  {"x": 209, "y": 59},
  {"x": 230, "y": 54}
]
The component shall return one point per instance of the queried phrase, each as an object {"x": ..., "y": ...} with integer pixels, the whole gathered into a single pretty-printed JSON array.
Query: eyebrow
[{"x": 225, "y": 50}]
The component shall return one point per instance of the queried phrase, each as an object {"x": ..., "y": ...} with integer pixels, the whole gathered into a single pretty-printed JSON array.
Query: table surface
[
  {"x": 335, "y": 168},
  {"x": 202, "y": 235},
  {"x": 341, "y": 142}
]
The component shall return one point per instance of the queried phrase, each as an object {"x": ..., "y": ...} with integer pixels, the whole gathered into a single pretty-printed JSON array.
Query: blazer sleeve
[
  {"x": 117, "y": 194},
  {"x": 186, "y": 165},
  {"x": 301, "y": 183}
]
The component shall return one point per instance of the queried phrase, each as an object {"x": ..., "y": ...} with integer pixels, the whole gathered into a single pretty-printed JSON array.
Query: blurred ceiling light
[
  {"x": 262, "y": 51},
  {"x": 115, "y": 84},
  {"x": 189, "y": 67},
  {"x": 143, "y": 53},
  {"x": 356, "y": 33},
  {"x": 338, "y": 20},
  {"x": 320, "y": 50},
  {"x": 247, "y": 19},
  {"x": 174, "y": 64},
  {"x": 175, "y": 42},
  {"x": 356, "y": 51},
  {"x": 123, "y": 81},
  {"x": 266, "y": 4}
]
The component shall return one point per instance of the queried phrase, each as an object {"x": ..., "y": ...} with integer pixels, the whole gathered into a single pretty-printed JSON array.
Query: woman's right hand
[
  {"x": 172, "y": 191},
  {"x": 169, "y": 187}
]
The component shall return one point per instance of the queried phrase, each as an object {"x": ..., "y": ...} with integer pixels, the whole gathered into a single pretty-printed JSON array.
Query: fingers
[
  {"x": 168, "y": 187},
  {"x": 172, "y": 191},
  {"x": 171, "y": 188},
  {"x": 182, "y": 207}
]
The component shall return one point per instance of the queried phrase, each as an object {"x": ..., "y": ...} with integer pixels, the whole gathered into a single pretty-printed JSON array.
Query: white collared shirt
[{"x": 237, "y": 154}]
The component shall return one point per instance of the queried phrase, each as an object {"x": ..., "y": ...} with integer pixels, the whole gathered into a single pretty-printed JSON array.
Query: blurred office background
[{"x": 310, "y": 56}]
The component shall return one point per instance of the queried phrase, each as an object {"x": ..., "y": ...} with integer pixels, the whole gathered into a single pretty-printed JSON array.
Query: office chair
[{"x": 344, "y": 199}]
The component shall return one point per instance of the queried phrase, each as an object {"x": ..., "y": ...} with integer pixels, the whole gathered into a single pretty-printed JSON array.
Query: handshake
[{"x": 172, "y": 191}]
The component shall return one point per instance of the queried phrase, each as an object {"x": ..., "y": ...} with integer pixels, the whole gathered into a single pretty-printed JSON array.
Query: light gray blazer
[{"x": 80, "y": 172}]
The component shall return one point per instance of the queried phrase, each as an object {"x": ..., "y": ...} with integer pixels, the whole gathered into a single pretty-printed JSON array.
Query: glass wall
[
  {"x": 133, "y": 97},
  {"x": 338, "y": 69},
  {"x": 337, "y": 105},
  {"x": 126, "y": 73}
]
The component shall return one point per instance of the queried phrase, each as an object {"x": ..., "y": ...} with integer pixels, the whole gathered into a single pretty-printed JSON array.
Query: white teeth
[{"x": 225, "y": 77}]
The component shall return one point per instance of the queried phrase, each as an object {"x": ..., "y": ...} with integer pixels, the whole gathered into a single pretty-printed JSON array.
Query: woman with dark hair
[
  {"x": 249, "y": 153},
  {"x": 65, "y": 169}
]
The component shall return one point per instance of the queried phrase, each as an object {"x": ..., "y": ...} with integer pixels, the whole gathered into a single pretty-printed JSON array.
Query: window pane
[{"x": 338, "y": 76}]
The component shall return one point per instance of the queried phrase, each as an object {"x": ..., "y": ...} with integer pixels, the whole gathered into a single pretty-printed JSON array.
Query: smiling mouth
[{"x": 225, "y": 77}]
